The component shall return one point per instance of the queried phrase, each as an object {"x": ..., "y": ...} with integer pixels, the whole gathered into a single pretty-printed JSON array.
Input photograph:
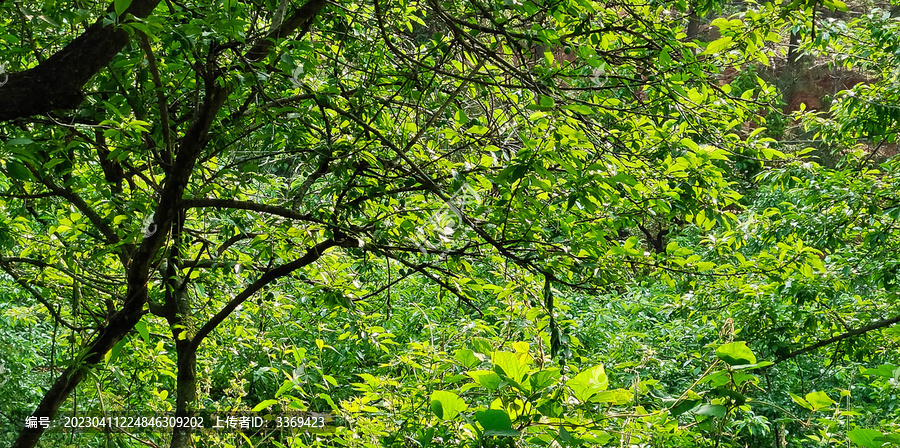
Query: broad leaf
[
  {"x": 446, "y": 405},
  {"x": 589, "y": 382},
  {"x": 736, "y": 353}
]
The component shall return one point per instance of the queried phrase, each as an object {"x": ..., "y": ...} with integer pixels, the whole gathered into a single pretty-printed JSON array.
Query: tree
[{"x": 177, "y": 159}]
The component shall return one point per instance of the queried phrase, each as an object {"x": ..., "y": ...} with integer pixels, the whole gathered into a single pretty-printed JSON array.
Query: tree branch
[
  {"x": 302, "y": 17},
  {"x": 873, "y": 326},
  {"x": 248, "y": 205},
  {"x": 420, "y": 268},
  {"x": 57, "y": 82},
  {"x": 26, "y": 286},
  {"x": 311, "y": 255},
  {"x": 79, "y": 203}
]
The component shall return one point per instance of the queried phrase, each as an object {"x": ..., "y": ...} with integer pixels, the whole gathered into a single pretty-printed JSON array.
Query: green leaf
[
  {"x": 735, "y": 396},
  {"x": 511, "y": 365},
  {"x": 596, "y": 438},
  {"x": 485, "y": 378},
  {"x": 121, "y": 6},
  {"x": 478, "y": 129},
  {"x": 547, "y": 102},
  {"x": 618, "y": 396},
  {"x": 141, "y": 27},
  {"x": 690, "y": 144},
  {"x": 566, "y": 437},
  {"x": 494, "y": 420},
  {"x": 502, "y": 432},
  {"x": 482, "y": 345},
  {"x": 736, "y": 353},
  {"x": 664, "y": 58},
  {"x": 705, "y": 265},
  {"x": 836, "y": 5},
  {"x": 717, "y": 45},
  {"x": 141, "y": 327},
  {"x": 819, "y": 400},
  {"x": 18, "y": 171},
  {"x": 263, "y": 404},
  {"x": 711, "y": 410},
  {"x": 865, "y": 437},
  {"x": 683, "y": 406},
  {"x": 467, "y": 358},
  {"x": 285, "y": 386},
  {"x": 424, "y": 437},
  {"x": 544, "y": 378},
  {"x": 758, "y": 365},
  {"x": 113, "y": 354},
  {"x": 893, "y": 439},
  {"x": 589, "y": 382},
  {"x": 20, "y": 142},
  {"x": 803, "y": 403},
  {"x": 329, "y": 400},
  {"x": 884, "y": 371},
  {"x": 446, "y": 405},
  {"x": 460, "y": 117}
]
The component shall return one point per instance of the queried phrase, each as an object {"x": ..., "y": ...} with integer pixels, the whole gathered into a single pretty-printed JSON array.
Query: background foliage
[{"x": 516, "y": 223}]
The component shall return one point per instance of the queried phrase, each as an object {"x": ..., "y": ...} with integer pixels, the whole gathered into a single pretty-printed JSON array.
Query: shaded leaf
[{"x": 446, "y": 405}]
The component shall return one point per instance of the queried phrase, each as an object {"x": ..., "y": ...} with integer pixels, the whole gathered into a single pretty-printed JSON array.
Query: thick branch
[
  {"x": 161, "y": 102},
  {"x": 302, "y": 17},
  {"x": 873, "y": 326},
  {"x": 57, "y": 82},
  {"x": 312, "y": 255},
  {"x": 247, "y": 205}
]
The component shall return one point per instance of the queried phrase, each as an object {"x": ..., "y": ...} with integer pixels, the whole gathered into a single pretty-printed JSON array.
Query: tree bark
[
  {"x": 302, "y": 18},
  {"x": 793, "y": 49},
  {"x": 57, "y": 82},
  {"x": 693, "y": 28},
  {"x": 185, "y": 391}
]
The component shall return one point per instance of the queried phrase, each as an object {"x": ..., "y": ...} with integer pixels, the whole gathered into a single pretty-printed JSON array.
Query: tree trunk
[
  {"x": 186, "y": 392},
  {"x": 793, "y": 50},
  {"x": 179, "y": 315},
  {"x": 693, "y": 28}
]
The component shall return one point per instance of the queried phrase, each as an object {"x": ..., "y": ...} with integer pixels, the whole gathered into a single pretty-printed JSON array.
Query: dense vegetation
[{"x": 474, "y": 223}]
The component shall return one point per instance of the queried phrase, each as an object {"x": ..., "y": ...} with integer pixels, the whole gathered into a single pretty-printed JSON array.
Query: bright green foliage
[
  {"x": 736, "y": 353},
  {"x": 520, "y": 223}
]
